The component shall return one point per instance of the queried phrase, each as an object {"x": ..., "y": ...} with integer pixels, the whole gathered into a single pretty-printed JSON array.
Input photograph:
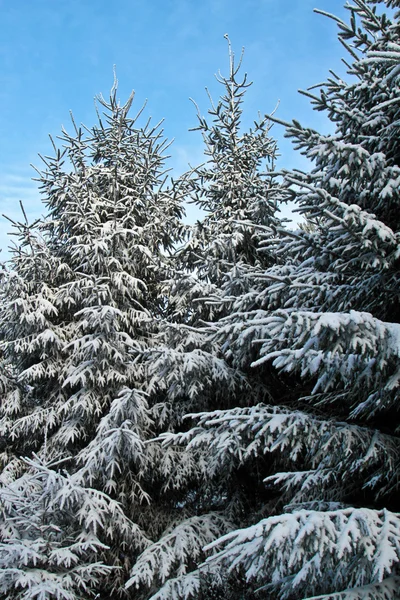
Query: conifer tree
[
  {"x": 80, "y": 309},
  {"x": 240, "y": 197},
  {"x": 233, "y": 189},
  {"x": 237, "y": 189},
  {"x": 327, "y": 318}
]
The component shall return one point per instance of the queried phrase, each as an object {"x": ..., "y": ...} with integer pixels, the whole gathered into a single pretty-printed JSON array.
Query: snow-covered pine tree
[
  {"x": 237, "y": 191},
  {"x": 80, "y": 309},
  {"x": 240, "y": 196},
  {"x": 327, "y": 318}
]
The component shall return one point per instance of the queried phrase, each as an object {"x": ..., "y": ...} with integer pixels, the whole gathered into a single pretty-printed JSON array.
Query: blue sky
[{"x": 56, "y": 55}]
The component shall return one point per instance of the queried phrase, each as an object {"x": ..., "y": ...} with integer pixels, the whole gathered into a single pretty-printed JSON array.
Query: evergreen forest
[{"x": 211, "y": 411}]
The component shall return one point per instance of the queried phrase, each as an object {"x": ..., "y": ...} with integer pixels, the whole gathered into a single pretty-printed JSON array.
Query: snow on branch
[
  {"x": 183, "y": 587},
  {"x": 384, "y": 590},
  {"x": 314, "y": 552},
  {"x": 55, "y": 534},
  {"x": 354, "y": 236},
  {"x": 176, "y": 549},
  {"x": 327, "y": 451},
  {"x": 354, "y": 350}
]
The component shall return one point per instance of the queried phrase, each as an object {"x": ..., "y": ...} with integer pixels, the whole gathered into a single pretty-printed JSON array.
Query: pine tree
[
  {"x": 237, "y": 191},
  {"x": 326, "y": 317},
  {"x": 80, "y": 311},
  {"x": 240, "y": 196}
]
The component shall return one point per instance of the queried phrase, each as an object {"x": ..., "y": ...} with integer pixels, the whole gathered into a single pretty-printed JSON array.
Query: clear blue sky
[{"x": 56, "y": 55}]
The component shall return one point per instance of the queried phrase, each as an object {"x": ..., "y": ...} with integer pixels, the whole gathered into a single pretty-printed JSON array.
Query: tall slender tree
[
  {"x": 238, "y": 191},
  {"x": 240, "y": 194},
  {"x": 80, "y": 309}
]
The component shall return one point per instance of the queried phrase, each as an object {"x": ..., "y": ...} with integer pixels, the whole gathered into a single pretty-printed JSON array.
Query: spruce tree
[
  {"x": 80, "y": 310},
  {"x": 238, "y": 190},
  {"x": 327, "y": 318}
]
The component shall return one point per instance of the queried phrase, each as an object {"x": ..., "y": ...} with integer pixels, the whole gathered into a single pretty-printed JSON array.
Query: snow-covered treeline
[{"x": 211, "y": 411}]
